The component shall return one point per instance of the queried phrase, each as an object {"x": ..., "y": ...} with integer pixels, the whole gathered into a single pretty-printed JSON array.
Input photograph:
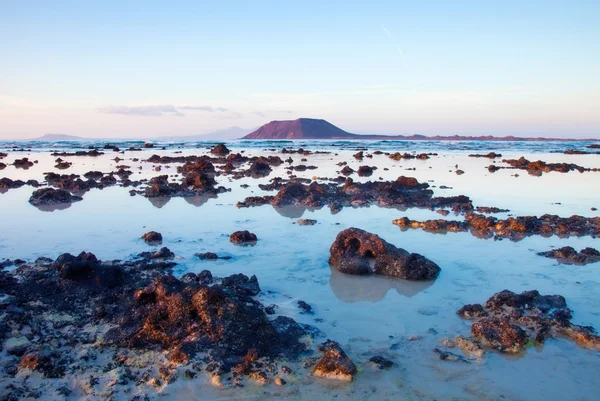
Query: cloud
[
  {"x": 147, "y": 111},
  {"x": 259, "y": 113},
  {"x": 161, "y": 110},
  {"x": 199, "y": 108}
]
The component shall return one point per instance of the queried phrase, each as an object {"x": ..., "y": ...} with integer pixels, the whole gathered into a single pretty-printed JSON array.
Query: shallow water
[{"x": 367, "y": 315}]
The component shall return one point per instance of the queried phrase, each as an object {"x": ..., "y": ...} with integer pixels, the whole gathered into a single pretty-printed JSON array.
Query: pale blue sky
[{"x": 136, "y": 69}]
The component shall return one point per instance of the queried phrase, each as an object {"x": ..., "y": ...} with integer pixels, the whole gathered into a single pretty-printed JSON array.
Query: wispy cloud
[
  {"x": 147, "y": 111},
  {"x": 159, "y": 110},
  {"x": 259, "y": 113},
  {"x": 397, "y": 45}
]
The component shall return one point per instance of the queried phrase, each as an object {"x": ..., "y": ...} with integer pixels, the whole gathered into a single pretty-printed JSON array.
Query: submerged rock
[
  {"x": 211, "y": 256},
  {"x": 381, "y": 362},
  {"x": 356, "y": 251},
  {"x": 335, "y": 364}
]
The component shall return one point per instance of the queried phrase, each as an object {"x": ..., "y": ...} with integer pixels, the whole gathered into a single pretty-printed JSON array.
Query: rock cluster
[
  {"x": 569, "y": 255},
  {"x": 508, "y": 321},
  {"x": 514, "y": 228}
]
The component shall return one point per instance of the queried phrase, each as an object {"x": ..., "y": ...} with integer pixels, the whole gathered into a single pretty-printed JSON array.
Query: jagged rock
[
  {"x": 356, "y": 251},
  {"x": 335, "y": 364}
]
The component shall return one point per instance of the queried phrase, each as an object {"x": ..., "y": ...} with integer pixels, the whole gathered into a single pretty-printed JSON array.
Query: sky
[{"x": 145, "y": 69}]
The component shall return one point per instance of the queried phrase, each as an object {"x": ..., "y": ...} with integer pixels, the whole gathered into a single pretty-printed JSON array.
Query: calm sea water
[
  {"x": 367, "y": 315},
  {"x": 425, "y": 146}
]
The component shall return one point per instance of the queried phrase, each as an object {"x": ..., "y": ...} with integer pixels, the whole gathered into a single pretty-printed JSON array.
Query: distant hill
[
  {"x": 310, "y": 128},
  {"x": 58, "y": 137},
  {"x": 302, "y": 128}
]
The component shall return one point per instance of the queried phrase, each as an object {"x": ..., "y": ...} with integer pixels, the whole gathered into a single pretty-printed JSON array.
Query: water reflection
[
  {"x": 52, "y": 208},
  {"x": 292, "y": 212},
  {"x": 350, "y": 288},
  {"x": 160, "y": 201},
  {"x": 198, "y": 200}
]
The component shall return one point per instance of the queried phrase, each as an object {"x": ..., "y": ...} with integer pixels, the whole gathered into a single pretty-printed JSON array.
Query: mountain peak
[{"x": 301, "y": 128}]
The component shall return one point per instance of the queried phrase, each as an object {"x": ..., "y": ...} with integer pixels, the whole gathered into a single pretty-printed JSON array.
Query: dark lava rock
[
  {"x": 306, "y": 222},
  {"x": 347, "y": 170},
  {"x": 48, "y": 364},
  {"x": 569, "y": 255},
  {"x": 2, "y": 166},
  {"x": 94, "y": 175},
  {"x": 51, "y": 196},
  {"x": 148, "y": 309},
  {"x": 381, "y": 362},
  {"x": 498, "y": 333},
  {"x": 404, "y": 192},
  {"x": 514, "y": 228},
  {"x": 23, "y": 163},
  {"x": 355, "y": 251},
  {"x": 7, "y": 183},
  {"x": 538, "y": 167},
  {"x": 306, "y": 308},
  {"x": 153, "y": 238},
  {"x": 472, "y": 311},
  {"x": 459, "y": 172},
  {"x": 507, "y": 321},
  {"x": 491, "y": 155},
  {"x": 366, "y": 171},
  {"x": 258, "y": 169},
  {"x": 220, "y": 150},
  {"x": 243, "y": 237},
  {"x": 335, "y": 364},
  {"x": 211, "y": 256},
  {"x": 162, "y": 253}
]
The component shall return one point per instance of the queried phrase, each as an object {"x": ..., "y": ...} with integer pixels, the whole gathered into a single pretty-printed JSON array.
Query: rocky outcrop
[
  {"x": 513, "y": 228},
  {"x": 356, "y": 251},
  {"x": 404, "y": 192},
  {"x": 538, "y": 167},
  {"x": 568, "y": 255},
  {"x": 51, "y": 196},
  {"x": 508, "y": 321},
  {"x": 153, "y": 238}
]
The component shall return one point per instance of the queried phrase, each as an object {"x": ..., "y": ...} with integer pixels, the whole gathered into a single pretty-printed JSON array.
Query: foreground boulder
[
  {"x": 51, "y": 196},
  {"x": 356, "y": 251},
  {"x": 335, "y": 364}
]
